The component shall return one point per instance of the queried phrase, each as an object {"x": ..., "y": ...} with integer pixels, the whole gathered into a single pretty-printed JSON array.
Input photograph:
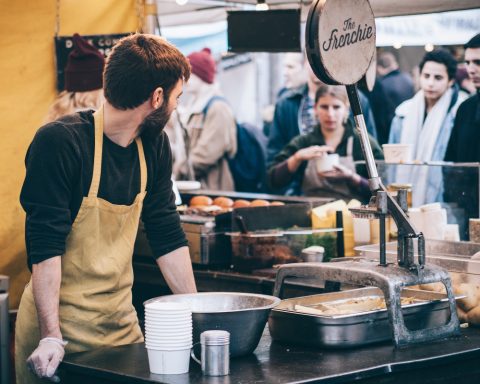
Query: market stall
[{"x": 239, "y": 248}]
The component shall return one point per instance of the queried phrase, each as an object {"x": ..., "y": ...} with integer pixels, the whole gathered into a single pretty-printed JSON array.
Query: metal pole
[{"x": 374, "y": 180}]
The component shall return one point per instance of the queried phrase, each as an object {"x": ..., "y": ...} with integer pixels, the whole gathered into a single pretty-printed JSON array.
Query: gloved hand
[{"x": 45, "y": 359}]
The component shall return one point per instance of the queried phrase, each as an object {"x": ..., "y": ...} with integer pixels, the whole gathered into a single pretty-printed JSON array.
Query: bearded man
[{"x": 89, "y": 178}]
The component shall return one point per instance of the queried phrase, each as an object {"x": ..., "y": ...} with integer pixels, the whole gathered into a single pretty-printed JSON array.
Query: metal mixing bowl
[{"x": 244, "y": 315}]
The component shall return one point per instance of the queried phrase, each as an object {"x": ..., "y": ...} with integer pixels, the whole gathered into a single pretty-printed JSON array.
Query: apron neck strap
[
  {"x": 143, "y": 165},
  {"x": 97, "y": 159}
]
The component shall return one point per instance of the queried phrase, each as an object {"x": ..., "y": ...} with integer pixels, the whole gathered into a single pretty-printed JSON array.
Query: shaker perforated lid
[{"x": 215, "y": 337}]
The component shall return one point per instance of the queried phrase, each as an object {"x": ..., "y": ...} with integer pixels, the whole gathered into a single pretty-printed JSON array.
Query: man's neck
[{"x": 121, "y": 126}]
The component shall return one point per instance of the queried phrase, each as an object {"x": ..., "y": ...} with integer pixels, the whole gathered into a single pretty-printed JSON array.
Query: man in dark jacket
[
  {"x": 464, "y": 144},
  {"x": 398, "y": 85}
]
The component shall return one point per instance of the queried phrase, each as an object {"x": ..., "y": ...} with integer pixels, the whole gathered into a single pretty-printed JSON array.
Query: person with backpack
[
  {"x": 210, "y": 126},
  {"x": 334, "y": 133}
]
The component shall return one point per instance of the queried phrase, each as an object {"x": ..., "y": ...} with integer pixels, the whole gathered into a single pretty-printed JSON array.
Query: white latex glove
[{"x": 45, "y": 359}]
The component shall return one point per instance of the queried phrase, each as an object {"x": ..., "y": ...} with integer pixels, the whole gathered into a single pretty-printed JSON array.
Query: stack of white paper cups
[{"x": 168, "y": 337}]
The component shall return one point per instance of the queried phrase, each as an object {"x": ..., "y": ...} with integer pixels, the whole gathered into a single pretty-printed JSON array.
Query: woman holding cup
[{"x": 322, "y": 162}]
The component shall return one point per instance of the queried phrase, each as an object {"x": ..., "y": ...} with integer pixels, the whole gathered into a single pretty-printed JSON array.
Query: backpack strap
[{"x": 209, "y": 103}]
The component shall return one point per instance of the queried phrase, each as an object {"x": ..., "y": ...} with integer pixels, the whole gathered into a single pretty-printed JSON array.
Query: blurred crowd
[{"x": 438, "y": 115}]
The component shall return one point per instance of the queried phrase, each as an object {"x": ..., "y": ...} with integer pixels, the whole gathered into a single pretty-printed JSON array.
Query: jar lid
[{"x": 215, "y": 337}]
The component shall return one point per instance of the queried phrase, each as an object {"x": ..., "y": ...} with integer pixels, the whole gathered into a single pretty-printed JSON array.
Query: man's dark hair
[
  {"x": 387, "y": 60},
  {"x": 474, "y": 42},
  {"x": 441, "y": 56},
  {"x": 139, "y": 64}
]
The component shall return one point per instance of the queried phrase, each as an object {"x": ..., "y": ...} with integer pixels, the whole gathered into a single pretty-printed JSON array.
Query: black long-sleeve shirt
[
  {"x": 464, "y": 144},
  {"x": 59, "y": 167}
]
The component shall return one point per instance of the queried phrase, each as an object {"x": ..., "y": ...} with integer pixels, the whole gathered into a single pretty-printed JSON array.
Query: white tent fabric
[
  {"x": 448, "y": 28},
  {"x": 205, "y": 11}
]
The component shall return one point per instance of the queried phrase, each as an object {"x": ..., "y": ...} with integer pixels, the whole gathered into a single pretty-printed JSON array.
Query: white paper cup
[
  {"x": 327, "y": 162},
  {"x": 169, "y": 332},
  {"x": 179, "y": 338},
  {"x": 397, "y": 153},
  {"x": 167, "y": 319},
  {"x": 167, "y": 306},
  {"x": 168, "y": 347},
  {"x": 169, "y": 362},
  {"x": 171, "y": 326}
]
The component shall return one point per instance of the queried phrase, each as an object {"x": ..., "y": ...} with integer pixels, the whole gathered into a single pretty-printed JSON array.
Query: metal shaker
[{"x": 215, "y": 358}]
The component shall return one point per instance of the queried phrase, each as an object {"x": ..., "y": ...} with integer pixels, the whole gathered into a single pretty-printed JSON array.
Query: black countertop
[{"x": 443, "y": 361}]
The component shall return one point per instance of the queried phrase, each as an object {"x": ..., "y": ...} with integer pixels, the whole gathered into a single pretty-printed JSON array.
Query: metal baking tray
[{"x": 353, "y": 330}]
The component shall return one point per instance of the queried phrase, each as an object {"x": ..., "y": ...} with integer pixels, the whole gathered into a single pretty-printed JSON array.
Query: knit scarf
[{"x": 423, "y": 135}]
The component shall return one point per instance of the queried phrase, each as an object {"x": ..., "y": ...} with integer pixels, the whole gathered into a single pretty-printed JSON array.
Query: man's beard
[{"x": 154, "y": 123}]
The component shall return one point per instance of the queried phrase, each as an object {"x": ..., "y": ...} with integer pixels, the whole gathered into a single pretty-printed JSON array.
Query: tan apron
[
  {"x": 315, "y": 185},
  {"x": 97, "y": 275}
]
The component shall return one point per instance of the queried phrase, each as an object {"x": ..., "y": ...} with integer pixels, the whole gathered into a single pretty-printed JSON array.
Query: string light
[
  {"x": 261, "y": 5},
  {"x": 429, "y": 47}
]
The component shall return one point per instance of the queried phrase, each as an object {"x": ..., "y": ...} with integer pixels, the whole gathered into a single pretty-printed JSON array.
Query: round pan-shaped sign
[{"x": 340, "y": 40}]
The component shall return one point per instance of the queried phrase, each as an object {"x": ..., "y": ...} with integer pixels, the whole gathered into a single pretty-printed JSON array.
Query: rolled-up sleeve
[
  {"x": 51, "y": 169},
  {"x": 160, "y": 216}
]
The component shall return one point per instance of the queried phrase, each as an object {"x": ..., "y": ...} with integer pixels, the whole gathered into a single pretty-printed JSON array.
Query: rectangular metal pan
[{"x": 345, "y": 331}]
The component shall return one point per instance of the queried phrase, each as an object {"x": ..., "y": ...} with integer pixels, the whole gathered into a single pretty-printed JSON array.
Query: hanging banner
[
  {"x": 64, "y": 45},
  {"x": 449, "y": 28}
]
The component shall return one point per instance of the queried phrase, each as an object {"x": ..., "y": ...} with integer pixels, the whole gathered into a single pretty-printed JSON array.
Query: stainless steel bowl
[{"x": 244, "y": 315}]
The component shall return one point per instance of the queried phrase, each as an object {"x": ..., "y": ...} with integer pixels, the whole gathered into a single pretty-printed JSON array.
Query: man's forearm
[
  {"x": 46, "y": 279},
  {"x": 177, "y": 270}
]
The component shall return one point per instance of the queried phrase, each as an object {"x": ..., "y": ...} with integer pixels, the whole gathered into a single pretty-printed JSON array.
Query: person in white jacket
[{"x": 425, "y": 123}]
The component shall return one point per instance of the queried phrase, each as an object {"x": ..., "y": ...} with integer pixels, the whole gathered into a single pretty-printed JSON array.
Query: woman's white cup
[
  {"x": 397, "y": 153},
  {"x": 171, "y": 362},
  {"x": 327, "y": 162}
]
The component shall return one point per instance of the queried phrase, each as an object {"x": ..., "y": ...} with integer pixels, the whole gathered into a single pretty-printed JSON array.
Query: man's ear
[{"x": 157, "y": 97}]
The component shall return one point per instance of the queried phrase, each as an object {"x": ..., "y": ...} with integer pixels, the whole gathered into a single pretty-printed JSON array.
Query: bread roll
[
  {"x": 223, "y": 202},
  {"x": 259, "y": 203},
  {"x": 241, "y": 203},
  {"x": 200, "y": 201},
  {"x": 473, "y": 316},
  {"x": 471, "y": 299}
]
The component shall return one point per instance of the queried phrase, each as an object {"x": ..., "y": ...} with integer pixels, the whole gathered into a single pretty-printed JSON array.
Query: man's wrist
[{"x": 55, "y": 340}]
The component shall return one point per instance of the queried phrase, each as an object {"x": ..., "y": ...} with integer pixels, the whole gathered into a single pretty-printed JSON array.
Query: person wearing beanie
[
  {"x": 83, "y": 80},
  {"x": 210, "y": 125},
  {"x": 89, "y": 178}
]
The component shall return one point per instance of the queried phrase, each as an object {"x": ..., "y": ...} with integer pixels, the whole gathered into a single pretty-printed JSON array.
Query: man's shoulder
[
  {"x": 157, "y": 146},
  {"x": 470, "y": 103},
  {"x": 66, "y": 128}
]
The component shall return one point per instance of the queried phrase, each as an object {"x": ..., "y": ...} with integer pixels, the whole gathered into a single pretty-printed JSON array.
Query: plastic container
[{"x": 397, "y": 153}]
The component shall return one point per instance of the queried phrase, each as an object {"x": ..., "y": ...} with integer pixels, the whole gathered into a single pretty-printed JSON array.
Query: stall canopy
[{"x": 206, "y": 11}]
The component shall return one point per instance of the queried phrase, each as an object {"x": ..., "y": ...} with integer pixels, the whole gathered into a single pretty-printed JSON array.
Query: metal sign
[
  {"x": 64, "y": 45},
  {"x": 340, "y": 40}
]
